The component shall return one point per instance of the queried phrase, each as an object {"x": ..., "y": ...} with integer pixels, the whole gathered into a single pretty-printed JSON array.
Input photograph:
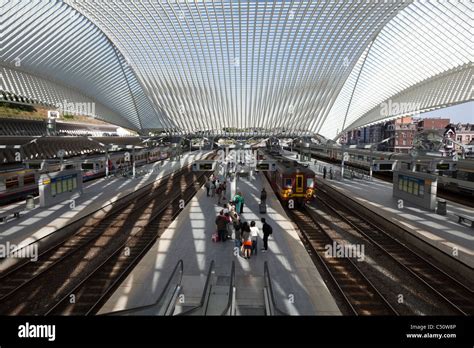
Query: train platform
[
  {"x": 35, "y": 224},
  {"x": 297, "y": 285},
  {"x": 442, "y": 232}
]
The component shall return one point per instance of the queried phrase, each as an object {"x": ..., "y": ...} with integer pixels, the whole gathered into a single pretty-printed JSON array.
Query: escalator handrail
[
  {"x": 268, "y": 285},
  {"x": 179, "y": 266},
  {"x": 207, "y": 289},
  {"x": 231, "y": 291}
]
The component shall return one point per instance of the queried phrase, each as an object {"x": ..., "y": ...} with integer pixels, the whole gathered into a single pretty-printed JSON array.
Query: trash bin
[
  {"x": 30, "y": 202},
  {"x": 441, "y": 207}
]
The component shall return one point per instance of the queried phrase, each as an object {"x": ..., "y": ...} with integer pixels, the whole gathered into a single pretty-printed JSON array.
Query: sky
[{"x": 461, "y": 113}]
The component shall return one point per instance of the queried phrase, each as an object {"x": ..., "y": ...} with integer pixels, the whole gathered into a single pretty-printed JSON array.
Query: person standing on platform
[
  {"x": 267, "y": 231},
  {"x": 221, "y": 224},
  {"x": 237, "y": 230},
  {"x": 254, "y": 235},
  {"x": 208, "y": 186},
  {"x": 219, "y": 191},
  {"x": 224, "y": 190},
  {"x": 324, "y": 172},
  {"x": 263, "y": 196},
  {"x": 246, "y": 240},
  {"x": 238, "y": 202},
  {"x": 213, "y": 188},
  {"x": 330, "y": 173}
]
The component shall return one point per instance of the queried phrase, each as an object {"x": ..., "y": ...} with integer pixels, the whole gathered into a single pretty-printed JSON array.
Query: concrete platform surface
[{"x": 297, "y": 284}]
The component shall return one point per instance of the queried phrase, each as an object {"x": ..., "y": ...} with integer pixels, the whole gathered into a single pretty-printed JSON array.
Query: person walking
[
  {"x": 254, "y": 235},
  {"x": 267, "y": 231},
  {"x": 263, "y": 196}
]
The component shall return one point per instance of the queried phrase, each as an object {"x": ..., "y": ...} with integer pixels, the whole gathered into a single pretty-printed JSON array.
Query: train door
[{"x": 299, "y": 183}]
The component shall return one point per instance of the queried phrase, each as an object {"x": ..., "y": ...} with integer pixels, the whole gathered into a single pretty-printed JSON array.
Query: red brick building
[{"x": 433, "y": 123}]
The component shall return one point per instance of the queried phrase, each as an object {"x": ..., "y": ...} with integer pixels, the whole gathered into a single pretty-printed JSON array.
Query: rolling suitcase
[{"x": 263, "y": 208}]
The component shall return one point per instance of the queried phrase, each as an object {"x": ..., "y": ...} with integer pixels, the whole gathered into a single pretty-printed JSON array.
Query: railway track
[
  {"x": 82, "y": 270},
  {"x": 360, "y": 295},
  {"x": 455, "y": 294}
]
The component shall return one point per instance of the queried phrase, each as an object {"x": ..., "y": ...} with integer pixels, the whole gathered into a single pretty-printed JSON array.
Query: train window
[
  {"x": 288, "y": 182},
  {"x": 59, "y": 186},
  {"x": 299, "y": 181},
  {"x": 34, "y": 165},
  {"x": 87, "y": 166},
  {"x": 309, "y": 182},
  {"x": 11, "y": 182},
  {"x": 29, "y": 179}
]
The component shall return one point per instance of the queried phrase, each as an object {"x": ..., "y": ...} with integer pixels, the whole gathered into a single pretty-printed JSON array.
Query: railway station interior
[{"x": 238, "y": 158}]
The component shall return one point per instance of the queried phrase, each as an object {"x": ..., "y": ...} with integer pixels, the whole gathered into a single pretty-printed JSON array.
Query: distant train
[
  {"x": 459, "y": 181},
  {"x": 292, "y": 181},
  {"x": 17, "y": 183}
]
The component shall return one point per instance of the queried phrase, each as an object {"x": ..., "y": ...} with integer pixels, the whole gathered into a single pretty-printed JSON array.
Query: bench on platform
[{"x": 462, "y": 219}]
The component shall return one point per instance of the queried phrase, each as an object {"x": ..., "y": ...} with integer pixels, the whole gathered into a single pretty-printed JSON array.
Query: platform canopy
[{"x": 251, "y": 65}]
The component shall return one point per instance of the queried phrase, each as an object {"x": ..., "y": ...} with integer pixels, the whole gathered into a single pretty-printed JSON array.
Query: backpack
[{"x": 269, "y": 228}]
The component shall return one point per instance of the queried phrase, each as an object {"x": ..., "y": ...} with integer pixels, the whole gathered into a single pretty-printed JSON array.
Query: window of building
[{"x": 459, "y": 137}]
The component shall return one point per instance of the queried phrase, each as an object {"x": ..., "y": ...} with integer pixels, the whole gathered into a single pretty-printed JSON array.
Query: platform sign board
[
  {"x": 383, "y": 165},
  {"x": 265, "y": 166},
  {"x": 57, "y": 187},
  {"x": 416, "y": 187},
  {"x": 204, "y": 166},
  {"x": 53, "y": 114}
]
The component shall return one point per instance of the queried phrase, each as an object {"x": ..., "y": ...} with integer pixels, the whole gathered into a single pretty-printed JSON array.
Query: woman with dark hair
[
  {"x": 247, "y": 240},
  {"x": 237, "y": 229}
]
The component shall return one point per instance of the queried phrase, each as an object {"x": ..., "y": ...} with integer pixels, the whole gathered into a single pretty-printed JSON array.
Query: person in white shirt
[{"x": 254, "y": 235}]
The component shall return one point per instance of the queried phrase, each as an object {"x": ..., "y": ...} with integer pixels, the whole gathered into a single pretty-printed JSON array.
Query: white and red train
[{"x": 19, "y": 182}]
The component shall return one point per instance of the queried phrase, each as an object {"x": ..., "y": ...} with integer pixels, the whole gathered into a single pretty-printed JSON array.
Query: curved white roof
[{"x": 298, "y": 66}]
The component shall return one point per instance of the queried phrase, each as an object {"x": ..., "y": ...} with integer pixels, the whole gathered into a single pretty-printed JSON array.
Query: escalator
[
  {"x": 219, "y": 295},
  {"x": 165, "y": 305}
]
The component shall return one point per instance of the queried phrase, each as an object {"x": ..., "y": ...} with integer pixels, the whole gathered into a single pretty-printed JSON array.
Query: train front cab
[{"x": 299, "y": 187}]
